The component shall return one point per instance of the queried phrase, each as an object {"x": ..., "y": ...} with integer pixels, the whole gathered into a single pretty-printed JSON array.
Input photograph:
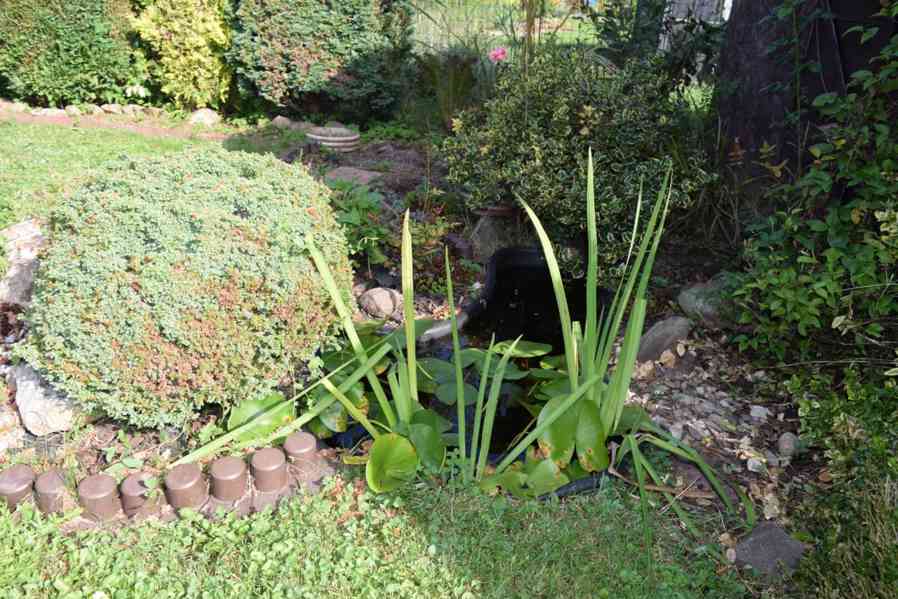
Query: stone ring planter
[
  {"x": 338, "y": 139},
  {"x": 231, "y": 485}
]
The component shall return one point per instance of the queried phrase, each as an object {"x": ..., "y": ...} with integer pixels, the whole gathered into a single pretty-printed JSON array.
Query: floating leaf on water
[
  {"x": 446, "y": 394},
  {"x": 392, "y": 462},
  {"x": 523, "y": 349}
]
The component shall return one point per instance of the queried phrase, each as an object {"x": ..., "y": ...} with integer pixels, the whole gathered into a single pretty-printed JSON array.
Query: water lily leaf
[
  {"x": 392, "y": 462},
  {"x": 512, "y": 372},
  {"x": 592, "y": 451},
  {"x": 431, "y": 419},
  {"x": 396, "y": 339},
  {"x": 553, "y": 363},
  {"x": 470, "y": 355},
  {"x": 547, "y": 375},
  {"x": 560, "y": 387},
  {"x": 335, "y": 418},
  {"x": 559, "y": 439},
  {"x": 446, "y": 393},
  {"x": 429, "y": 444},
  {"x": 317, "y": 428},
  {"x": 433, "y": 372},
  {"x": 545, "y": 478},
  {"x": 253, "y": 410},
  {"x": 523, "y": 349},
  {"x": 510, "y": 481}
]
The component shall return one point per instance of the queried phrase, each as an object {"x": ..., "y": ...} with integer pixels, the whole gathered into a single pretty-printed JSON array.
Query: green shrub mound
[
  {"x": 531, "y": 142},
  {"x": 350, "y": 51},
  {"x": 176, "y": 282},
  {"x": 66, "y": 51}
]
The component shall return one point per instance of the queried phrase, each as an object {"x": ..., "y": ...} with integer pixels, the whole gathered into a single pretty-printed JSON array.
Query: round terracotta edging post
[
  {"x": 269, "y": 470},
  {"x": 185, "y": 487},
  {"x": 16, "y": 483},
  {"x": 136, "y": 498},
  {"x": 49, "y": 490},
  {"x": 229, "y": 477},
  {"x": 98, "y": 495}
]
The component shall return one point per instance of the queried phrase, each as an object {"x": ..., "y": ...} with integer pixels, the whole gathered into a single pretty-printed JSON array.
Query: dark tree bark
[{"x": 757, "y": 89}]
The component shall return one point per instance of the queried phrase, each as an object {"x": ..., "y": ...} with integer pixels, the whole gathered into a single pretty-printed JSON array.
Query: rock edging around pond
[{"x": 232, "y": 484}]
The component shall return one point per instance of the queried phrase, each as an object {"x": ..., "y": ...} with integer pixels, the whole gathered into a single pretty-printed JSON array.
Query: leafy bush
[
  {"x": 829, "y": 262},
  {"x": 357, "y": 208},
  {"x": 59, "y": 52},
  {"x": 176, "y": 282},
  {"x": 189, "y": 39},
  {"x": 297, "y": 51},
  {"x": 531, "y": 141}
]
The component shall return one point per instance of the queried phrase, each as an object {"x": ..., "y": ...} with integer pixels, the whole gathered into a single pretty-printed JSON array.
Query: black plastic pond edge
[{"x": 591, "y": 483}]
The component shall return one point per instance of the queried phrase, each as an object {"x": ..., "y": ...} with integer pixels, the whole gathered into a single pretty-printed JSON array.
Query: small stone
[
  {"x": 204, "y": 116},
  {"x": 43, "y": 410},
  {"x": 12, "y": 435},
  {"x": 772, "y": 460},
  {"x": 352, "y": 175},
  {"x": 668, "y": 359},
  {"x": 676, "y": 431},
  {"x": 132, "y": 110},
  {"x": 23, "y": 243},
  {"x": 72, "y": 110},
  {"x": 755, "y": 465},
  {"x": 111, "y": 108},
  {"x": 281, "y": 122},
  {"x": 759, "y": 413},
  {"x": 664, "y": 335},
  {"x": 93, "y": 109},
  {"x": 731, "y": 555},
  {"x": 788, "y": 444},
  {"x": 381, "y": 302},
  {"x": 703, "y": 302},
  {"x": 769, "y": 551}
]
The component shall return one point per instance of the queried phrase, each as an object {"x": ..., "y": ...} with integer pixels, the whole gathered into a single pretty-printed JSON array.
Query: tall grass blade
[
  {"x": 478, "y": 407},
  {"x": 619, "y": 388},
  {"x": 591, "y": 333},
  {"x": 492, "y": 404},
  {"x": 564, "y": 314},
  {"x": 348, "y": 326},
  {"x": 408, "y": 304},
  {"x": 456, "y": 354}
]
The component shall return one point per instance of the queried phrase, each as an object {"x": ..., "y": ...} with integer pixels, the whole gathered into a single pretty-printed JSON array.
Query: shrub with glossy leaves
[
  {"x": 189, "y": 39},
  {"x": 176, "y": 282},
  {"x": 531, "y": 141},
  {"x": 66, "y": 51},
  {"x": 297, "y": 51}
]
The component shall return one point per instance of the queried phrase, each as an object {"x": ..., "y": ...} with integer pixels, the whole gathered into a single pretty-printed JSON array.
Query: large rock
[
  {"x": 286, "y": 123},
  {"x": 493, "y": 233},
  {"x": 43, "y": 410},
  {"x": 111, "y": 108},
  {"x": 662, "y": 336},
  {"x": 353, "y": 175},
  {"x": 704, "y": 302},
  {"x": 769, "y": 551},
  {"x": 72, "y": 110},
  {"x": 381, "y": 302},
  {"x": 204, "y": 116},
  {"x": 22, "y": 242}
]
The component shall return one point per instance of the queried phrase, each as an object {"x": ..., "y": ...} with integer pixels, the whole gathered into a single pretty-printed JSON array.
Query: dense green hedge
[
  {"x": 531, "y": 141},
  {"x": 175, "y": 282},
  {"x": 66, "y": 51},
  {"x": 352, "y": 51}
]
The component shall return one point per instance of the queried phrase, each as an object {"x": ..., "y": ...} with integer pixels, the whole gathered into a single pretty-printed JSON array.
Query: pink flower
[{"x": 498, "y": 54}]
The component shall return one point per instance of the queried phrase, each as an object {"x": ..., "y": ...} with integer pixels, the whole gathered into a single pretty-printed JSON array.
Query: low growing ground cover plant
[{"x": 176, "y": 282}]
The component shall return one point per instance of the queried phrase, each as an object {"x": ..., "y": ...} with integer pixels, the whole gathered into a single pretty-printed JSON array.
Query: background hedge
[
  {"x": 351, "y": 52},
  {"x": 66, "y": 51},
  {"x": 176, "y": 282}
]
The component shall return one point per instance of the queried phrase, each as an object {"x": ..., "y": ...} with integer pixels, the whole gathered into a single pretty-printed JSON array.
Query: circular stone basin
[{"x": 339, "y": 139}]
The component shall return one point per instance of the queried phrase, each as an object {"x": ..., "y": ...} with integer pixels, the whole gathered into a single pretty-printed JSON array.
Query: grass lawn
[{"x": 425, "y": 542}]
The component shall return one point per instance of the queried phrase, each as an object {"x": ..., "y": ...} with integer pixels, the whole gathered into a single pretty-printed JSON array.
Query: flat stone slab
[
  {"x": 769, "y": 551},
  {"x": 352, "y": 175}
]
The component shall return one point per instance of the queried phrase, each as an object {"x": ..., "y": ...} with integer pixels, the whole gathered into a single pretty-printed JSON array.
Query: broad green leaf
[
  {"x": 545, "y": 478},
  {"x": 592, "y": 452},
  {"x": 433, "y": 372},
  {"x": 634, "y": 419},
  {"x": 431, "y": 419},
  {"x": 392, "y": 462},
  {"x": 335, "y": 418},
  {"x": 510, "y": 481},
  {"x": 446, "y": 393},
  {"x": 559, "y": 438},
  {"x": 471, "y": 355},
  {"x": 266, "y": 414},
  {"x": 429, "y": 444}
]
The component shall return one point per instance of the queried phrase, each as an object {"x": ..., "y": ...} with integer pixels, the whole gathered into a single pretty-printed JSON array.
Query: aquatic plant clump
[{"x": 176, "y": 282}]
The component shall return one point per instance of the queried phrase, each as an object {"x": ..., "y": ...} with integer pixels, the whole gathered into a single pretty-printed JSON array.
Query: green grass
[
  {"x": 40, "y": 162},
  {"x": 426, "y": 542}
]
